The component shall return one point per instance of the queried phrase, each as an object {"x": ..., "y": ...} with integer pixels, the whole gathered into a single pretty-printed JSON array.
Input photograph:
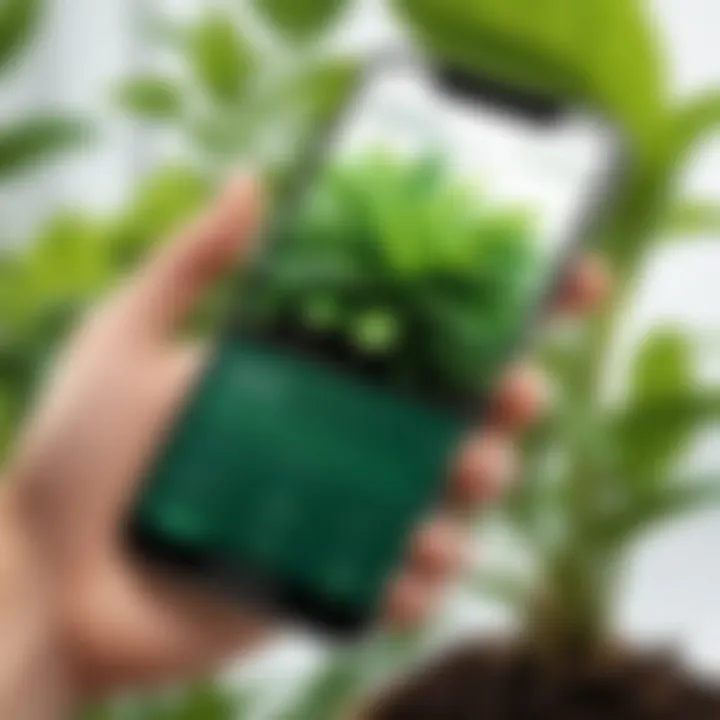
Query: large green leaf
[
  {"x": 27, "y": 143},
  {"x": 18, "y": 21},
  {"x": 220, "y": 57},
  {"x": 151, "y": 97},
  {"x": 301, "y": 20},
  {"x": 499, "y": 37},
  {"x": 601, "y": 51},
  {"x": 627, "y": 70}
]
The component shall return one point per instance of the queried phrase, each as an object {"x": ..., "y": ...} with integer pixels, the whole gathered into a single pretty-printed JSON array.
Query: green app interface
[{"x": 380, "y": 312}]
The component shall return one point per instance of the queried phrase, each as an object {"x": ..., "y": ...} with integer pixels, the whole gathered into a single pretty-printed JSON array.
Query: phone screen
[{"x": 377, "y": 318}]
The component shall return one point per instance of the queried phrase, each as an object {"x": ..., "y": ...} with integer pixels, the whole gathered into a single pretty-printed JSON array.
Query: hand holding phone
[
  {"x": 76, "y": 470},
  {"x": 423, "y": 242}
]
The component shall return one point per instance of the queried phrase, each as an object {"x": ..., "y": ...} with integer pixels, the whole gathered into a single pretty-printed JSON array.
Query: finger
[
  {"x": 586, "y": 287},
  {"x": 410, "y": 600},
  {"x": 485, "y": 468},
  {"x": 167, "y": 289},
  {"x": 439, "y": 550},
  {"x": 523, "y": 397}
]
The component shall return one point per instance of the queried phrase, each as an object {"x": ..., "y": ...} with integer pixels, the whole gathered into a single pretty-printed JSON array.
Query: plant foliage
[
  {"x": 26, "y": 142},
  {"x": 408, "y": 268},
  {"x": 301, "y": 21}
]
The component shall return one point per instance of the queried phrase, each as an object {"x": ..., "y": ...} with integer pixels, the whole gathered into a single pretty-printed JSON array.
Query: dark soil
[{"x": 495, "y": 682}]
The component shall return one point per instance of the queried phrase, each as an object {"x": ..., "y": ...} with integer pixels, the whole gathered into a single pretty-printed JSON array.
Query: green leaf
[
  {"x": 301, "y": 20},
  {"x": 206, "y": 701},
  {"x": 661, "y": 505},
  {"x": 163, "y": 200},
  {"x": 492, "y": 36},
  {"x": 626, "y": 69},
  {"x": 324, "y": 89},
  {"x": 151, "y": 97},
  {"x": 692, "y": 218},
  {"x": 603, "y": 52},
  {"x": 377, "y": 332},
  {"x": 27, "y": 143},
  {"x": 663, "y": 366},
  {"x": 651, "y": 434},
  {"x": 692, "y": 124},
  {"x": 220, "y": 57},
  {"x": 18, "y": 21}
]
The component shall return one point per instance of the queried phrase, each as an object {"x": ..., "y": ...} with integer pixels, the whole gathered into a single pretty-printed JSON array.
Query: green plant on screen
[{"x": 408, "y": 267}]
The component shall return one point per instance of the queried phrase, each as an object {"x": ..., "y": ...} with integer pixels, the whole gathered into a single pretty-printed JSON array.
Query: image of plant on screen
[{"x": 394, "y": 265}]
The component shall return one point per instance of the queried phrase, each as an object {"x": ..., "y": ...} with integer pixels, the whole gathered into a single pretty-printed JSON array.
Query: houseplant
[{"x": 598, "y": 476}]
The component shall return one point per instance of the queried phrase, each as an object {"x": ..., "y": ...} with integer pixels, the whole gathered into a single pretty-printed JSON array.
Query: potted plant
[{"x": 597, "y": 476}]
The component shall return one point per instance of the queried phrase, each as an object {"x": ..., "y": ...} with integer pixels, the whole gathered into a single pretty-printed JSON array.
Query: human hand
[{"x": 113, "y": 394}]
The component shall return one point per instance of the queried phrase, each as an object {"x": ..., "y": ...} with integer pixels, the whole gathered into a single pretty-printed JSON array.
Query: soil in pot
[{"x": 486, "y": 681}]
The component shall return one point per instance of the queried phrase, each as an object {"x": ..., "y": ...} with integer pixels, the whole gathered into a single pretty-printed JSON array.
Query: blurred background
[{"x": 117, "y": 117}]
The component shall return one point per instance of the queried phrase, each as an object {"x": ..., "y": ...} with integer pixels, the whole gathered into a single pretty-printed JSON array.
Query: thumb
[{"x": 164, "y": 292}]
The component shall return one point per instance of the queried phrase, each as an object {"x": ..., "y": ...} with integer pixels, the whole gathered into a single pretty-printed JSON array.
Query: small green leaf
[
  {"x": 377, "y": 332},
  {"x": 221, "y": 57},
  {"x": 651, "y": 434},
  {"x": 694, "y": 218},
  {"x": 670, "y": 502},
  {"x": 323, "y": 90},
  {"x": 30, "y": 142},
  {"x": 18, "y": 21},
  {"x": 693, "y": 123},
  {"x": 151, "y": 97},
  {"x": 301, "y": 20},
  {"x": 663, "y": 366}
]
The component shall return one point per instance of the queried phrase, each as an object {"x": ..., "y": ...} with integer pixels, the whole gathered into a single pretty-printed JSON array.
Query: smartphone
[{"x": 423, "y": 242}]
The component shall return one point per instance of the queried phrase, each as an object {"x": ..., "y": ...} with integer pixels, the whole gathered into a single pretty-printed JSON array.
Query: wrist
[{"x": 34, "y": 681}]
